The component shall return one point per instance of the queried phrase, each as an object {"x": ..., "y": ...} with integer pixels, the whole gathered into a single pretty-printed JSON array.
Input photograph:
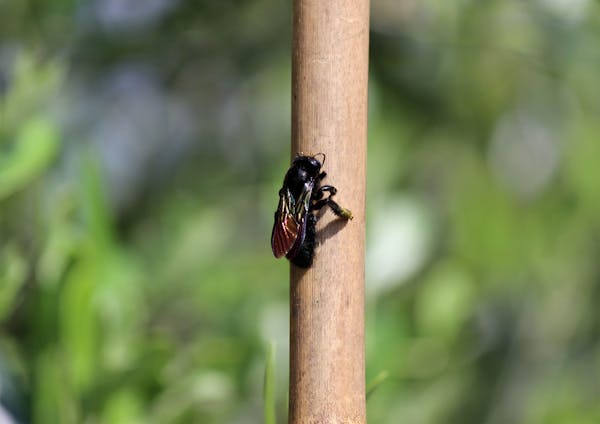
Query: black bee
[{"x": 295, "y": 219}]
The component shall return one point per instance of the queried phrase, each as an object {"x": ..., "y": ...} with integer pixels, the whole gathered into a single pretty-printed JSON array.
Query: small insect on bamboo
[{"x": 301, "y": 196}]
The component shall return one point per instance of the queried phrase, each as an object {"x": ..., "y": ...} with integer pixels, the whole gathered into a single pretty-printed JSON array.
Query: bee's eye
[{"x": 315, "y": 164}]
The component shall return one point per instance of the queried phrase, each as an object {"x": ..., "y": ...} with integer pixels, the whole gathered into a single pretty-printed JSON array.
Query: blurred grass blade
[
  {"x": 376, "y": 382},
  {"x": 13, "y": 272},
  {"x": 95, "y": 202},
  {"x": 269, "y": 387},
  {"x": 35, "y": 148}
]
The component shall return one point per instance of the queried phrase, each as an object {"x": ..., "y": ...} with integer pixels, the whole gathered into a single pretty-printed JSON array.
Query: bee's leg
[
  {"x": 337, "y": 209},
  {"x": 318, "y": 204},
  {"x": 321, "y": 190}
]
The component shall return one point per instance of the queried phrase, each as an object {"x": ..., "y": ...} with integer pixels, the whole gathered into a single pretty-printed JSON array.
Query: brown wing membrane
[
  {"x": 285, "y": 233},
  {"x": 290, "y": 222},
  {"x": 285, "y": 229}
]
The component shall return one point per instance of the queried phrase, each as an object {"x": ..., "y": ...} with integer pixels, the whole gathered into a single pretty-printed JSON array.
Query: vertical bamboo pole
[{"x": 329, "y": 115}]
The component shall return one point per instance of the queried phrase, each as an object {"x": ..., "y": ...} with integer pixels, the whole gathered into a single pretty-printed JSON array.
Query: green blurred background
[{"x": 142, "y": 145}]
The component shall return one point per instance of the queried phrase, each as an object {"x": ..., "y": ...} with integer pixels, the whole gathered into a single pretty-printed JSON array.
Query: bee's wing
[
  {"x": 290, "y": 222},
  {"x": 285, "y": 228}
]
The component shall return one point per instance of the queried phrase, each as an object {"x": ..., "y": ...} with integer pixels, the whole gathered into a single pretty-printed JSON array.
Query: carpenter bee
[{"x": 295, "y": 219}]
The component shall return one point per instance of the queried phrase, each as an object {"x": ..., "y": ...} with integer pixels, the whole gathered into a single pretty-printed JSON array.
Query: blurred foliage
[{"x": 141, "y": 148}]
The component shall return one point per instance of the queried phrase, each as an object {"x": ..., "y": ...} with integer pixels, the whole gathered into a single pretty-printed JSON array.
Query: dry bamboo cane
[{"x": 329, "y": 115}]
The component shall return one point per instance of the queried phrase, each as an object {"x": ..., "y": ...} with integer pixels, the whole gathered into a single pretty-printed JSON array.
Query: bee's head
[{"x": 309, "y": 163}]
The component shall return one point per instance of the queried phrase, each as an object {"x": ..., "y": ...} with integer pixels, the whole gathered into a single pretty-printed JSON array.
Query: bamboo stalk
[{"x": 329, "y": 115}]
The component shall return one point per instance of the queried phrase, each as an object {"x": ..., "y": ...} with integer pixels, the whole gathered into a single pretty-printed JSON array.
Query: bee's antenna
[{"x": 322, "y": 154}]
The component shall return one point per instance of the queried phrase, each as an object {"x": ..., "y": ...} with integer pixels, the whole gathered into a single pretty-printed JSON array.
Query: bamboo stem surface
[{"x": 329, "y": 115}]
